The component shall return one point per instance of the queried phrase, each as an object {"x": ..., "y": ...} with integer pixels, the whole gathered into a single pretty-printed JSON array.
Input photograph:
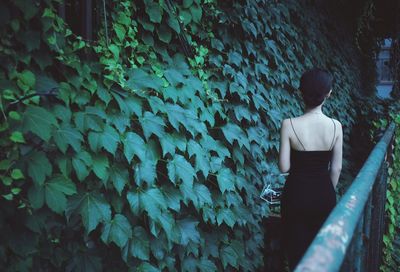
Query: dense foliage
[
  {"x": 147, "y": 148},
  {"x": 391, "y": 241}
]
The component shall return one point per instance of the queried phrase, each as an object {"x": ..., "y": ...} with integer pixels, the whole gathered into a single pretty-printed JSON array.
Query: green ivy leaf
[
  {"x": 156, "y": 104},
  {"x": 140, "y": 245},
  {"x": 7, "y": 181},
  {"x": 124, "y": 19},
  {"x": 55, "y": 191},
  {"x": 202, "y": 158},
  {"x": 242, "y": 112},
  {"x": 189, "y": 264},
  {"x": 196, "y": 12},
  {"x": 141, "y": 80},
  {"x": 134, "y": 202},
  {"x": 103, "y": 93},
  {"x": 120, "y": 121},
  {"x": 81, "y": 162},
  {"x": 167, "y": 222},
  {"x": 85, "y": 121},
  {"x": 217, "y": 44},
  {"x": 146, "y": 267},
  {"x": 206, "y": 265},
  {"x": 187, "y": 3},
  {"x": 114, "y": 50},
  {"x": 39, "y": 167},
  {"x": 154, "y": 11},
  {"x": 17, "y": 137},
  {"x": 188, "y": 194},
  {"x": 110, "y": 139},
  {"x": 237, "y": 154},
  {"x": 100, "y": 166},
  {"x": 171, "y": 141},
  {"x": 174, "y": 24},
  {"x": 17, "y": 174},
  {"x": 228, "y": 256},
  {"x": 39, "y": 121},
  {"x": 172, "y": 198},
  {"x": 66, "y": 135},
  {"x": 152, "y": 124},
  {"x": 134, "y": 145},
  {"x": 146, "y": 24},
  {"x": 26, "y": 80},
  {"x": 174, "y": 77},
  {"x": 235, "y": 58},
  {"x": 95, "y": 141},
  {"x": 120, "y": 31},
  {"x": 14, "y": 115},
  {"x": 118, "y": 230},
  {"x": 171, "y": 93},
  {"x": 168, "y": 144},
  {"x": 36, "y": 196},
  {"x": 151, "y": 200},
  {"x": 186, "y": 16},
  {"x": 226, "y": 180},
  {"x": 203, "y": 195},
  {"x": 128, "y": 104},
  {"x": 92, "y": 207},
  {"x": 15, "y": 190},
  {"x": 249, "y": 27},
  {"x": 119, "y": 176},
  {"x": 164, "y": 33},
  {"x": 234, "y": 132},
  {"x": 207, "y": 115},
  {"x": 227, "y": 216},
  {"x": 195, "y": 126},
  {"x": 188, "y": 231},
  {"x": 176, "y": 115},
  {"x": 180, "y": 168},
  {"x": 145, "y": 171}
]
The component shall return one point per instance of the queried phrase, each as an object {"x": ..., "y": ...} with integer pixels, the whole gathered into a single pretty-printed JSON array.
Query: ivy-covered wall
[{"x": 147, "y": 148}]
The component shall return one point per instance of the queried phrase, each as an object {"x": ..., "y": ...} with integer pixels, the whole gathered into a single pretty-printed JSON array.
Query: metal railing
[{"x": 351, "y": 237}]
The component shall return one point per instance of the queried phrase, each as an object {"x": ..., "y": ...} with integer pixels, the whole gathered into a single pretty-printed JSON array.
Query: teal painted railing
[{"x": 351, "y": 237}]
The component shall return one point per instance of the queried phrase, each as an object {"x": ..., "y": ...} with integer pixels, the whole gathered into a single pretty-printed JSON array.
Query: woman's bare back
[{"x": 313, "y": 132}]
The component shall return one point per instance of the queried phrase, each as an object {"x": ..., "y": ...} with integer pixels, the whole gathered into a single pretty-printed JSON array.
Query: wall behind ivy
[{"x": 147, "y": 148}]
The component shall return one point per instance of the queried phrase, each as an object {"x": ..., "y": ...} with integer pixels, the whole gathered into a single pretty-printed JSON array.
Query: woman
[{"x": 311, "y": 151}]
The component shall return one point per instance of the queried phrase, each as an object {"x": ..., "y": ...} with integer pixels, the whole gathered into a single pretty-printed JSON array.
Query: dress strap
[
  {"x": 296, "y": 134},
  {"x": 334, "y": 131}
]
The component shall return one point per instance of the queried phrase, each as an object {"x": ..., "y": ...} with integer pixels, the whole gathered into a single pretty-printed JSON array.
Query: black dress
[{"x": 307, "y": 199}]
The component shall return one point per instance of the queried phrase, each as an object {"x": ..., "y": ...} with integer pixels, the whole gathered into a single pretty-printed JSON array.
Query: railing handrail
[{"x": 328, "y": 249}]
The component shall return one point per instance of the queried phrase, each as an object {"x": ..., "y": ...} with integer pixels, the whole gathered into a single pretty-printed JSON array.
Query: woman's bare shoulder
[
  {"x": 338, "y": 126},
  {"x": 337, "y": 122},
  {"x": 285, "y": 122}
]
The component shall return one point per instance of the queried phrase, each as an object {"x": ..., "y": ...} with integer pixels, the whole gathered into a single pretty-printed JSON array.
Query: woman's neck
[{"x": 317, "y": 109}]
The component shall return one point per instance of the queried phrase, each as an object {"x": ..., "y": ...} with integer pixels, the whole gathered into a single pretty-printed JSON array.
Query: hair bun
[{"x": 315, "y": 84}]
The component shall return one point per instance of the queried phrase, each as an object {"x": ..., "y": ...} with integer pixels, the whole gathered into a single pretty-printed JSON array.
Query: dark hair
[{"x": 315, "y": 84}]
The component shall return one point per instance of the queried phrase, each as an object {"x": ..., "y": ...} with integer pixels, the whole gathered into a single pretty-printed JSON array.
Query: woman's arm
[
  {"x": 284, "y": 147},
  {"x": 336, "y": 163}
]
